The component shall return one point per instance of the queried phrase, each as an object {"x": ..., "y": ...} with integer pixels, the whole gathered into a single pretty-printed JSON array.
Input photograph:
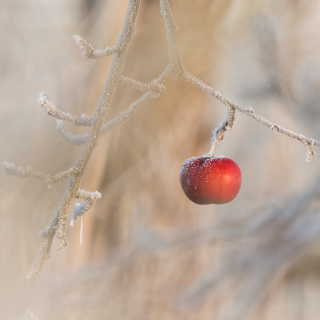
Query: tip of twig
[
  {"x": 85, "y": 47},
  {"x": 43, "y": 98}
]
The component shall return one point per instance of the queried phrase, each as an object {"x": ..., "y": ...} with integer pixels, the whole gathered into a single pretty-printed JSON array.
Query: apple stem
[
  {"x": 212, "y": 150},
  {"x": 218, "y": 132}
]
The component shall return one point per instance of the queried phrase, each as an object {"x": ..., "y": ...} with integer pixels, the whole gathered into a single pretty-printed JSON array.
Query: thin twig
[
  {"x": 55, "y": 112},
  {"x": 174, "y": 57},
  {"x": 250, "y": 112},
  {"x": 29, "y": 172},
  {"x": 218, "y": 132},
  {"x": 89, "y": 51}
]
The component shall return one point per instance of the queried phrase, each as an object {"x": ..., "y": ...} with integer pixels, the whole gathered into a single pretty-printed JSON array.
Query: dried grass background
[{"x": 149, "y": 253}]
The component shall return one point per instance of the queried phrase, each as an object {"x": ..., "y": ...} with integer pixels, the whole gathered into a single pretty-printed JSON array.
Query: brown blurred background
[{"x": 148, "y": 252}]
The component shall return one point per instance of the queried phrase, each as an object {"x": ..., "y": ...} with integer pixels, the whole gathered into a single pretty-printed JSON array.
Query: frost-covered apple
[{"x": 208, "y": 180}]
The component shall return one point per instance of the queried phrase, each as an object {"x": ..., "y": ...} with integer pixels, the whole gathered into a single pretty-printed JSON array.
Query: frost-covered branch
[
  {"x": 89, "y": 51},
  {"x": 175, "y": 60},
  {"x": 218, "y": 132},
  {"x": 70, "y": 137},
  {"x": 28, "y": 172},
  {"x": 142, "y": 86},
  {"x": 151, "y": 90},
  {"x": 84, "y": 194},
  {"x": 310, "y": 143},
  {"x": 118, "y": 119},
  {"x": 55, "y": 112},
  {"x": 59, "y": 223},
  {"x": 123, "y": 116}
]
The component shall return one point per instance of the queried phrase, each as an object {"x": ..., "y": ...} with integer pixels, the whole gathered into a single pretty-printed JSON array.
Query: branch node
[
  {"x": 85, "y": 46},
  {"x": 310, "y": 151}
]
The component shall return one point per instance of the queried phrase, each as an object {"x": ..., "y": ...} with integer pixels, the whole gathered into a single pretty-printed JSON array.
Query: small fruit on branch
[{"x": 208, "y": 179}]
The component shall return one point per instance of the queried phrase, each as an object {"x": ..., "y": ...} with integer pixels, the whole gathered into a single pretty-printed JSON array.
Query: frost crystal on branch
[
  {"x": 79, "y": 209},
  {"x": 84, "y": 194}
]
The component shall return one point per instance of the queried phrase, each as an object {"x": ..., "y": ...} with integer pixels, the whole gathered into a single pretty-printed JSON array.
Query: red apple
[{"x": 210, "y": 180}]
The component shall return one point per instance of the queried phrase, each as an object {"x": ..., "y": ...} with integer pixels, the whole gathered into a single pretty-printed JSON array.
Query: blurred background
[{"x": 148, "y": 252}]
